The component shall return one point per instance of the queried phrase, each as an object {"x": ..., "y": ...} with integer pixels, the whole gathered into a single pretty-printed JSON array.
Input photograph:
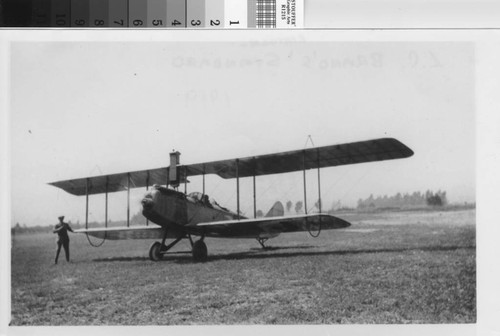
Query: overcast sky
[{"x": 89, "y": 108}]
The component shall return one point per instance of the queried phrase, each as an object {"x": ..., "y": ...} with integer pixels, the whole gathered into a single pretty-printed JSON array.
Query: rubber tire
[
  {"x": 200, "y": 251},
  {"x": 154, "y": 252}
]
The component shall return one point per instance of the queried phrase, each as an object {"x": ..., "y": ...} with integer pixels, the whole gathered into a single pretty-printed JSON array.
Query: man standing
[{"x": 62, "y": 229}]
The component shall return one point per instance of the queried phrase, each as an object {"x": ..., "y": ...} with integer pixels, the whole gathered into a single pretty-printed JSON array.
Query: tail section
[{"x": 276, "y": 211}]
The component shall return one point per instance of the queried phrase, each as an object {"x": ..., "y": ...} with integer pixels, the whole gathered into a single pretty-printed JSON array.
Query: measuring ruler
[{"x": 167, "y": 14}]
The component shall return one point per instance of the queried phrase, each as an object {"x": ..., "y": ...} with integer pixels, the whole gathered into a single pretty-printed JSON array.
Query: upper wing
[
  {"x": 266, "y": 227},
  {"x": 113, "y": 182},
  {"x": 284, "y": 162}
]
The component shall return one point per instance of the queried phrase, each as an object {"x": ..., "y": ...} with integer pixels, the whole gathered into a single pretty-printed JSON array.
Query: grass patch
[{"x": 411, "y": 267}]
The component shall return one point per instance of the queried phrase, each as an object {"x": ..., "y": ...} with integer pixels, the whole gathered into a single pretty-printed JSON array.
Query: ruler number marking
[{"x": 61, "y": 19}]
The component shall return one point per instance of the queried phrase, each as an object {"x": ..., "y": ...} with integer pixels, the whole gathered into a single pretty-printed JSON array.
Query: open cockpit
[{"x": 200, "y": 198}]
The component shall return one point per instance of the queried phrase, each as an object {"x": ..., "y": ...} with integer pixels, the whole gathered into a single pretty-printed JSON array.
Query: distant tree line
[
  {"x": 416, "y": 199},
  {"x": 399, "y": 201},
  {"x": 18, "y": 228},
  {"x": 135, "y": 219}
]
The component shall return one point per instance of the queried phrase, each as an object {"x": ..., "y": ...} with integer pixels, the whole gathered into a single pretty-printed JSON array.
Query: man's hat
[{"x": 61, "y": 217}]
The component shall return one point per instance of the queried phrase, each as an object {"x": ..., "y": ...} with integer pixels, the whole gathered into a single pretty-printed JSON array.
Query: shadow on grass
[
  {"x": 121, "y": 259},
  {"x": 184, "y": 257},
  {"x": 188, "y": 253},
  {"x": 274, "y": 248},
  {"x": 137, "y": 258},
  {"x": 253, "y": 255}
]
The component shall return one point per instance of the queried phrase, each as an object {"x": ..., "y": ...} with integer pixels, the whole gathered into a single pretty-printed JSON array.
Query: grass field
[{"x": 401, "y": 267}]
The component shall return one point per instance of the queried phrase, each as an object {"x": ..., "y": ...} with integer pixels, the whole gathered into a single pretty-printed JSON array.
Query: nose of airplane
[
  {"x": 153, "y": 206},
  {"x": 147, "y": 202}
]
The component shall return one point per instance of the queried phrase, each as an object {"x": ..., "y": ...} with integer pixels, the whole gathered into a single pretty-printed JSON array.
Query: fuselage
[{"x": 167, "y": 207}]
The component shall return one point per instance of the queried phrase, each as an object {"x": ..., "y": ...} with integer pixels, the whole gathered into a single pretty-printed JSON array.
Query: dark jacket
[{"x": 62, "y": 231}]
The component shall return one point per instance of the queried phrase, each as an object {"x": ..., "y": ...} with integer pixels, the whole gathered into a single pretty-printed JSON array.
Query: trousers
[{"x": 65, "y": 244}]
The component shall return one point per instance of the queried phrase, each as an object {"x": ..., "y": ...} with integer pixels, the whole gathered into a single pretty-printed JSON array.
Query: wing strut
[
  {"x": 185, "y": 181},
  {"x": 106, "y": 204},
  {"x": 305, "y": 187},
  {"x": 237, "y": 189},
  {"x": 254, "y": 200},
  {"x": 254, "y": 190},
  {"x": 147, "y": 188},
  {"x": 87, "y": 203},
  {"x": 128, "y": 199},
  {"x": 319, "y": 184},
  {"x": 203, "y": 179},
  {"x": 309, "y": 224}
]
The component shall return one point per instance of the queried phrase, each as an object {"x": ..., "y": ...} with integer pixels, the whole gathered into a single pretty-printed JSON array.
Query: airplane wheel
[
  {"x": 154, "y": 252},
  {"x": 200, "y": 251}
]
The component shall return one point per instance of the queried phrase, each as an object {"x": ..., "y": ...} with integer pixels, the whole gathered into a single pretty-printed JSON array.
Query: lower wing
[
  {"x": 116, "y": 233},
  {"x": 243, "y": 228},
  {"x": 267, "y": 227}
]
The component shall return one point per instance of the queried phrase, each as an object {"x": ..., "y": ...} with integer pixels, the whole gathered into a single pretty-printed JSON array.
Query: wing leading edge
[
  {"x": 119, "y": 233},
  {"x": 277, "y": 163},
  {"x": 285, "y": 162}
]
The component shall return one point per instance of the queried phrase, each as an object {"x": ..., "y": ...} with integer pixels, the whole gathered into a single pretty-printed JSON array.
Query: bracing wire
[
  {"x": 369, "y": 170},
  {"x": 96, "y": 245},
  {"x": 309, "y": 138},
  {"x": 319, "y": 230},
  {"x": 92, "y": 244}
]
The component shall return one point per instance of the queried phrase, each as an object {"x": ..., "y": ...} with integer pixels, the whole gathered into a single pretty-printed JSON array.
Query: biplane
[{"x": 178, "y": 215}]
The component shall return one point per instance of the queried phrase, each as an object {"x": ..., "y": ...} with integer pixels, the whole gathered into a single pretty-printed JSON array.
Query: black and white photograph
[{"x": 262, "y": 179}]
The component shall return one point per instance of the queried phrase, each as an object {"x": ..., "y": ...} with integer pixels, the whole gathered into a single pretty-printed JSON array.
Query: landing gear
[
  {"x": 199, "y": 248},
  {"x": 262, "y": 241},
  {"x": 158, "y": 249},
  {"x": 155, "y": 252},
  {"x": 200, "y": 251}
]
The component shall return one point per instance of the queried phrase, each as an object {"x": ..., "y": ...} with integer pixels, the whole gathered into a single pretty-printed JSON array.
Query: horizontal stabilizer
[{"x": 276, "y": 211}]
